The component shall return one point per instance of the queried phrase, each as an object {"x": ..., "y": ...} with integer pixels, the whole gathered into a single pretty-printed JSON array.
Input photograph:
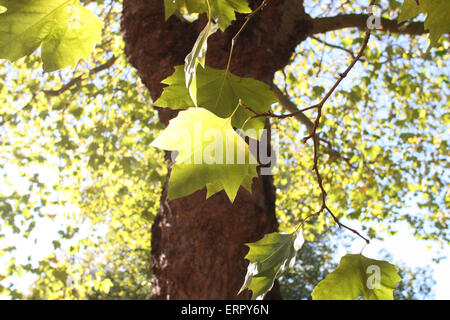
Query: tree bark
[{"x": 198, "y": 245}]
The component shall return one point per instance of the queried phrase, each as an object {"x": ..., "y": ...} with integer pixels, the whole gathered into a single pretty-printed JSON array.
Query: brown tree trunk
[{"x": 198, "y": 245}]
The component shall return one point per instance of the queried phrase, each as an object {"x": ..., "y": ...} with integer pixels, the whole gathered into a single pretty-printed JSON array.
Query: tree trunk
[{"x": 198, "y": 245}]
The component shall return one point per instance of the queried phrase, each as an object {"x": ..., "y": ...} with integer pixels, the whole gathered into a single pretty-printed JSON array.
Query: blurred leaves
[
  {"x": 358, "y": 276},
  {"x": 81, "y": 162}
]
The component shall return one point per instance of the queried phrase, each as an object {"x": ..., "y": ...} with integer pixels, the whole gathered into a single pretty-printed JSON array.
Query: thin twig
[
  {"x": 278, "y": 116},
  {"x": 233, "y": 41},
  {"x": 247, "y": 20},
  {"x": 320, "y": 105},
  {"x": 350, "y": 52},
  {"x": 315, "y": 137}
]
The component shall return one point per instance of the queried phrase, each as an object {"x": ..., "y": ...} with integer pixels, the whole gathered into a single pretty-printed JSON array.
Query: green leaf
[
  {"x": 197, "y": 55},
  {"x": 220, "y": 94},
  {"x": 210, "y": 154},
  {"x": 409, "y": 10},
  {"x": 270, "y": 258},
  {"x": 222, "y": 10},
  {"x": 66, "y": 31},
  {"x": 437, "y": 21},
  {"x": 170, "y": 7},
  {"x": 193, "y": 6},
  {"x": 358, "y": 276},
  {"x": 373, "y": 152}
]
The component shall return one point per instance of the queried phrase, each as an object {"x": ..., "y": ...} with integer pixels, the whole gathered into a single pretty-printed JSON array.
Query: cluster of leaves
[
  {"x": 88, "y": 177},
  {"x": 385, "y": 139},
  {"x": 115, "y": 146},
  {"x": 223, "y": 11},
  {"x": 273, "y": 255}
]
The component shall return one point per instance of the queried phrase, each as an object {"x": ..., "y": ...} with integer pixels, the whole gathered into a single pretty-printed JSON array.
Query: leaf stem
[
  {"x": 232, "y": 114},
  {"x": 233, "y": 41},
  {"x": 237, "y": 107}
]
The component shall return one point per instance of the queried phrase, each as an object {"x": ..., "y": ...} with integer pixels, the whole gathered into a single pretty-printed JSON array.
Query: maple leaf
[
  {"x": 357, "y": 276},
  {"x": 210, "y": 154},
  {"x": 65, "y": 31},
  {"x": 220, "y": 92}
]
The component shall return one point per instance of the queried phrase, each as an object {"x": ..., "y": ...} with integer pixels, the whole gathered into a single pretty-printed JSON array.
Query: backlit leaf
[
  {"x": 220, "y": 94},
  {"x": 437, "y": 21},
  {"x": 358, "y": 276},
  {"x": 222, "y": 10},
  {"x": 270, "y": 258},
  {"x": 210, "y": 154},
  {"x": 65, "y": 31}
]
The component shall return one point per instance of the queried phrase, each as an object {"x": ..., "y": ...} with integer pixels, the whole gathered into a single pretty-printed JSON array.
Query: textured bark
[{"x": 198, "y": 245}]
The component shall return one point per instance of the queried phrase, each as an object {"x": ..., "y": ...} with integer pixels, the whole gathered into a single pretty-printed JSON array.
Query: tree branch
[
  {"x": 350, "y": 52},
  {"x": 287, "y": 104},
  {"x": 315, "y": 137},
  {"x": 74, "y": 81},
  {"x": 326, "y": 24}
]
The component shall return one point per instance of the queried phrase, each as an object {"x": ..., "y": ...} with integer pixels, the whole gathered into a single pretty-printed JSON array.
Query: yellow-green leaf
[
  {"x": 210, "y": 154},
  {"x": 358, "y": 276},
  {"x": 65, "y": 31},
  {"x": 220, "y": 92}
]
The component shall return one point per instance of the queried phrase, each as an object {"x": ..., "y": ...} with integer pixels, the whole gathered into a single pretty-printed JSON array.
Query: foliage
[
  {"x": 66, "y": 30},
  {"x": 204, "y": 143},
  {"x": 221, "y": 10},
  {"x": 96, "y": 130},
  {"x": 89, "y": 177},
  {"x": 357, "y": 276},
  {"x": 270, "y": 258},
  {"x": 219, "y": 91},
  {"x": 316, "y": 260},
  {"x": 437, "y": 16}
]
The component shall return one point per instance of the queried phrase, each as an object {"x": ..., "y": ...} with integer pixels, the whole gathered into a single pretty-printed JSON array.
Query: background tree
[{"x": 374, "y": 155}]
